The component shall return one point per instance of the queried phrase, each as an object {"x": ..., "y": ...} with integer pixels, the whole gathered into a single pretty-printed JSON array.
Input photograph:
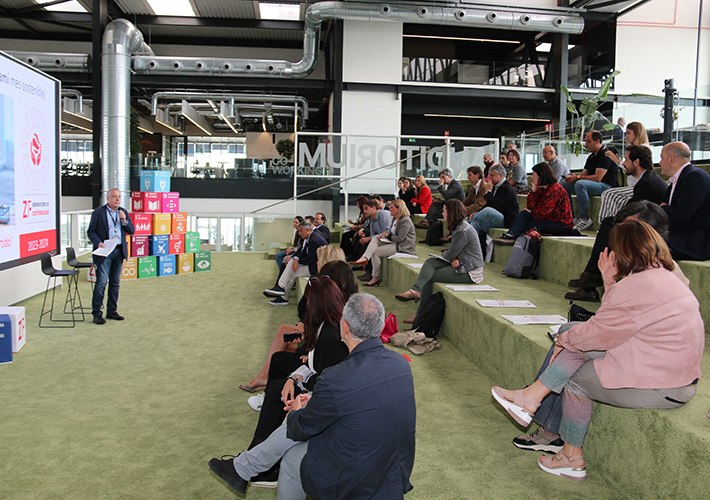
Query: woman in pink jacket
[{"x": 642, "y": 349}]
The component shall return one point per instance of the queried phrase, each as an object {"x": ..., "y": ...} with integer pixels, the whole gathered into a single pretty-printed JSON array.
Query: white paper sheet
[
  {"x": 416, "y": 266},
  {"x": 399, "y": 255},
  {"x": 109, "y": 245},
  {"x": 505, "y": 303},
  {"x": 555, "y": 328},
  {"x": 554, "y": 319},
  {"x": 472, "y": 288},
  {"x": 439, "y": 257}
]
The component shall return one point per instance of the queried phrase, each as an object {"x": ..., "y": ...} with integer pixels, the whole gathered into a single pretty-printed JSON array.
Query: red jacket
[
  {"x": 551, "y": 203},
  {"x": 423, "y": 199}
]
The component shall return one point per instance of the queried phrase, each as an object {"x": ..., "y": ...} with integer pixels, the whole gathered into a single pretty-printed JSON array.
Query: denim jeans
[
  {"x": 486, "y": 219},
  {"x": 107, "y": 271},
  {"x": 525, "y": 221},
  {"x": 584, "y": 189}
]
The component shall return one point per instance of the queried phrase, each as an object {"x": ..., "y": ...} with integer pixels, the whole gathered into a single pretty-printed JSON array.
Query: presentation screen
[{"x": 29, "y": 163}]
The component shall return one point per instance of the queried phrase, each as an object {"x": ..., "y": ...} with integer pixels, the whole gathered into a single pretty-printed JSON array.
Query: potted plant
[{"x": 285, "y": 148}]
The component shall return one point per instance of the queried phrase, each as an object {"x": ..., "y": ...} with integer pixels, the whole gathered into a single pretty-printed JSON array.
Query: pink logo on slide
[{"x": 36, "y": 150}]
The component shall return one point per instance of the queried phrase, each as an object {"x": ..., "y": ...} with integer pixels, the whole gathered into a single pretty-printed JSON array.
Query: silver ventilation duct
[
  {"x": 121, "y": 40},
  {"x": 258, "y": 98},
  {"x": 480, "y": 17},
  {"x": 76, "y": 95},
  {"x": 53, "y": 61}
]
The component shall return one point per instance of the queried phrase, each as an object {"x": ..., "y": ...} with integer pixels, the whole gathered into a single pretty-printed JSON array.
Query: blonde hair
[
  {"x": 422, "y": 181},
  {"x": 329, "y": 253},
  {"x": 401, "y": 207},
  {"x": 639, "y": 132}
]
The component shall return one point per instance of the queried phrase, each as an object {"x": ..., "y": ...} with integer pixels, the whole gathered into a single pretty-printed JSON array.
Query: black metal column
[
  {"x": 99, "y": 21},
  {"x": 337, "y": 102},
  {"x": 668, "y": 118},
  {"x": 560, "y": 67}
]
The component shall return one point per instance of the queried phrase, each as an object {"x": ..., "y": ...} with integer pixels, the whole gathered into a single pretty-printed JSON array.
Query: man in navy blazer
[
  {"x": 354, "y": 438},
  {"x": 687, "y": 204},
  {"x": 109, "y": 222},
  {"x": 303, "y": 263}
]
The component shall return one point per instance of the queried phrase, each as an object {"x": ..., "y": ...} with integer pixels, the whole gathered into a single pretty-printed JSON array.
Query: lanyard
[{"x": 115, "y": 223}]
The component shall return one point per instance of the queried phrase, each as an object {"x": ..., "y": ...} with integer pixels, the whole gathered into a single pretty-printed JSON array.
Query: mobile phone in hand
[{"x": 290, "y": 337}]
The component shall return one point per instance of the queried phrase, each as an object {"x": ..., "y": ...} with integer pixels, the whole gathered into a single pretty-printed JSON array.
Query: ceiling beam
[
  {"x": 216, "y": 22},
  {"x": 44, "y": 15}
]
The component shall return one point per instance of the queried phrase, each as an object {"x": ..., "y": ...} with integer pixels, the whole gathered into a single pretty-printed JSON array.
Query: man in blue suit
[
  {"x": 687, "y": 204},
  {"x": 109, "y": 222},
  {"x": 354, "y": 438}
]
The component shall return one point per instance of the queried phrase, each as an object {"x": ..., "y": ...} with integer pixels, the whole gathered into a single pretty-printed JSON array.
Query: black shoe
[
  {"x": 99, "y": 320},
  {"x": 277, "y": 291},
  {"x": 224, "y": 469},
  {"x": 279, "y": 301},
  {"x": 505, "y": 240},
  {"x": 272, "y": 288},
  {"x": 586, "y": 280},
  {"x": 115, "y": 316},
  {"x": 268, "y": 479},
  {"x": 584, "y": 295}
]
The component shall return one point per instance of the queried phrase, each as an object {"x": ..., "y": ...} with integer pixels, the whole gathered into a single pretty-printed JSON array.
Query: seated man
[
  {"x": 320, "y": 226},
  {"x": 599, "y": 174},
  {"x": 475, "y": 200},
  {"x": 687, "y": 204},
  {"x": 558, "y": 166},
  {"x": 516, "y": 171},
  {"x": 378, "y": 220},
  {"x": 501, "y": 203},
  {"x": 303, "y": 263},
  {"x": 650, "y": 187},
  {"x": 355, "y": 436},
  {"x": 449, "y": 188}
]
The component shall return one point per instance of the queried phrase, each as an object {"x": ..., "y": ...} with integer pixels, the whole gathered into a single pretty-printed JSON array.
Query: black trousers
[{"x": 272, "y": 414}]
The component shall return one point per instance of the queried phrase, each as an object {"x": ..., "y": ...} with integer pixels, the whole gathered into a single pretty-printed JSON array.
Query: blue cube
[
  {"x": 5, "y": 339},
  {"x": 159, "y": 244},
  {"x": 166, "y": 265},
  {"x": 155, "y": 180}
]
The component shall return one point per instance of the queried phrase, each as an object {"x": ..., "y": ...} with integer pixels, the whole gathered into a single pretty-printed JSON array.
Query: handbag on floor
[
  {"x": 578, "y": 313},
  {"x": 429, "y": 320},
  {"x": 389, "y": 329}
]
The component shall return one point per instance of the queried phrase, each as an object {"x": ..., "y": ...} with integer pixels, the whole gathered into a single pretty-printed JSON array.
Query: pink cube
[
  {"x": 170, "y": 202},
  {"x": 145, "y": 201},
  {"x": 142, "y": 222},
  {"x": 140, "y": 246}
]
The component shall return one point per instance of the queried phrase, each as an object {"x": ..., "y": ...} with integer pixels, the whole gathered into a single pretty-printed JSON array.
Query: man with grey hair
[
  {"x": 449, "y": 188},
  {"x": 354, "y": 437},
  {"x": 501, "y": 203},
  {"x": 303, "y": 263}
]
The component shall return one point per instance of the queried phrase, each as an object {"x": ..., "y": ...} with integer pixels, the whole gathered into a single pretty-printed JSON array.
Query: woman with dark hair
[
  {"x": 295, "y": 372},
  {"x": 461, "y": 263},
  {"x": 636, "y": 352},
  {"x": 406, "y": 192},
  {"x": 547, "y": 206},
  {"x": 346, "y": 239}
]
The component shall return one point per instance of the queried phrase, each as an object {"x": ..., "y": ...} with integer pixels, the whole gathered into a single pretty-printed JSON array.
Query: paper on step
[
  {"x": 554, "y": 319},
  {"x": 416, "y": 266},
  {"x": 400, "y": 255},
  {"x": 505, "y": 303},
  {"x": 471, "y": 288}
]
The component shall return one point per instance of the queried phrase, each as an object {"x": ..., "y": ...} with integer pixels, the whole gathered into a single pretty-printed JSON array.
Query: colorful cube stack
[{"x": 161, "y": 244}]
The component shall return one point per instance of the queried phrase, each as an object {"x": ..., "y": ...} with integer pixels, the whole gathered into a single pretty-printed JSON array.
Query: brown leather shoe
[
  {"x": 582, "y": 294},
  {"x": 585, "y": 279}
]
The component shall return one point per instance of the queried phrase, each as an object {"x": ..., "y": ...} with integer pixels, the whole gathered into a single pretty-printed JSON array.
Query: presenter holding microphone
[{"x": 109, "y": 222}]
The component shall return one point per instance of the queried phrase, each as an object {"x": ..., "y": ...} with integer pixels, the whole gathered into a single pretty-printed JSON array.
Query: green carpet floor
[{"x": 135, "y": 409}]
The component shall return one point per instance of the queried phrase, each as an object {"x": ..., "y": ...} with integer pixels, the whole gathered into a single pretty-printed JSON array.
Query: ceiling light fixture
[
  {"x": 163, "y": 119},
  {"x": 172, "y": 8},
  {"x": 460, "y": 38},
  {"x": 196, "y": 118},
  {"x": 489, "y": 117},
  {"x": 77, "y": 126},
  {"x": 280, "y": 11},
  {"x": 71, "y": 6}
]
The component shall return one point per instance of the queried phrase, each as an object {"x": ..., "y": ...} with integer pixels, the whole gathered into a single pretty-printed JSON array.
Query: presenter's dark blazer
[
  {"x": 360, "y": 426},
  {"x": 324, "y": 232},
  {"x": 98, "y": 229},
  {"x": 307, "y": 255},
  {"x": 650, "y": 187},
  {"x": 689, "y": 213}
]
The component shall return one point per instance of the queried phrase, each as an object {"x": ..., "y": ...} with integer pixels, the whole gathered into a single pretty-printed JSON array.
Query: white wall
[
  {"x": 22, "y": 282},
  {"x": 372, "y": 52}
]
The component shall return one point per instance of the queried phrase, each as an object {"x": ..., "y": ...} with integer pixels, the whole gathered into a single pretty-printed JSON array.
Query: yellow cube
[
  {"x": 161, "y": 223},
  {"x": 186, "y": 263},
  {"x": 130, "y": 269}
]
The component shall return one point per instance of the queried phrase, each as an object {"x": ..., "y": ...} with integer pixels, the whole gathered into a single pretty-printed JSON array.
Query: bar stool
[
  {"x": 78, "y": 265},
  {"x": 72, "y": 296}
]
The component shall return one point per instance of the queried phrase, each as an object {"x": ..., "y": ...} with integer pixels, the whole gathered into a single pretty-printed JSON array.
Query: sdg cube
[
  {"x": 161, "y": 223},
  {"x": 139, "y": 246},
  {"x": 192, "y": 242},
  {"x": 142, "y": 222},
  {"x": 155, "y": 180},
  {"x": 130, "y": 269},
  {"x": 159, "y": 244},
  {"x": 186, "y": 263},
  {"x": 177, "y": 244},
  {"x": 166, "y": 265},
  {"x": 169, "y": 202},
  {"x": 145, "y": 202},
  {"x": 179, "y": 223},
  {"x": 17, "y": 319},
  {"x": 203, "y": 261},
  {"x": 147, "y": 267}
]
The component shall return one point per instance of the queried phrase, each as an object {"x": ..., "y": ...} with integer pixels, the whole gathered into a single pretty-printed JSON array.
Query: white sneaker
[
  {"x": 256, "y": 402},
  {"x": 584, "y": 224}
]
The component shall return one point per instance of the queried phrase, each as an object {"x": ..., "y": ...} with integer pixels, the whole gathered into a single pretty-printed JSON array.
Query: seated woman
[
  {"x": 422, "y": 201},
  {"x": 296, "y": 242},
  {"x": 295, "y": 372},
  {"x": 406, "y": 192},
  {"x": 642, "y": 349},
  {"x": 547, "y": 206},
  {"x": 402, "y": 237},
  {"x": 346, "y": 239},
  {"x": 461, "y": 263},
  {"x": 331, "y": 262}
]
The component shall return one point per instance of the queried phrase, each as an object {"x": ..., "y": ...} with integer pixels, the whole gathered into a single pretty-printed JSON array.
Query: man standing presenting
[
  {"x": 687, "y": 204},
  {"x": 599, "y": 174},
  {"x": 354, "y": 438},
  {"x": 559, "y": 167},
  {"x": 109, "y": 222}
]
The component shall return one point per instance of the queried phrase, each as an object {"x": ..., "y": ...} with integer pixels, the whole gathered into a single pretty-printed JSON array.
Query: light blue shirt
[
  {"x": 381, "y": 223},
  {"x": 114, "y": 224}
]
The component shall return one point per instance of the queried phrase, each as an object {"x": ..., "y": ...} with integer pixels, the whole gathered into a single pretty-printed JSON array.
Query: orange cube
[{"x": 179, "y": 223}]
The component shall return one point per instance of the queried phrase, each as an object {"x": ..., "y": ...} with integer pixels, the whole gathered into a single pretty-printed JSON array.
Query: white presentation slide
[{"x": 29, "y": 163}]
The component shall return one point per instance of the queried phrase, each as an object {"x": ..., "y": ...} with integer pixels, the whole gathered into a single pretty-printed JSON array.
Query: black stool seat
[
  {"x": 72, "y": 295},
  {"x": 76, "y": 264}
]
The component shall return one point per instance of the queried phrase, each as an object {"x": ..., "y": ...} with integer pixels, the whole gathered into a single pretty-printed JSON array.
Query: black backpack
[
  {"x": 525, "y": 256},
  {"x": 435, "y": 233},
  {"x": 429, "y": 320}
]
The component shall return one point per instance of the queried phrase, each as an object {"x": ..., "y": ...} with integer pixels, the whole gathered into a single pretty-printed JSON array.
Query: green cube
[
  {"x": 192, "y": 242},
  {"x": 203, "y": 261},
  {"x": 147, "y": 267}
]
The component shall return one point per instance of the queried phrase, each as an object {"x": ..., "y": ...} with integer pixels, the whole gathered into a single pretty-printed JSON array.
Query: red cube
[
  {"x": 177, "y": 244},
  {"x": 170, "y": 202},
  {"x": 140, "y": 246},
  {"x": 145, "y": 201},
  {"x": 142, "y": 222}
]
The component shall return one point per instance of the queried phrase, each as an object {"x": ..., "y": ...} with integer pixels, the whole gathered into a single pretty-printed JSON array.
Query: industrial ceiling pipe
[
  {"x": 497, "y": 17},
  {"x": 259, "y": 98},
  {"x": 53, "y": 61}
]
